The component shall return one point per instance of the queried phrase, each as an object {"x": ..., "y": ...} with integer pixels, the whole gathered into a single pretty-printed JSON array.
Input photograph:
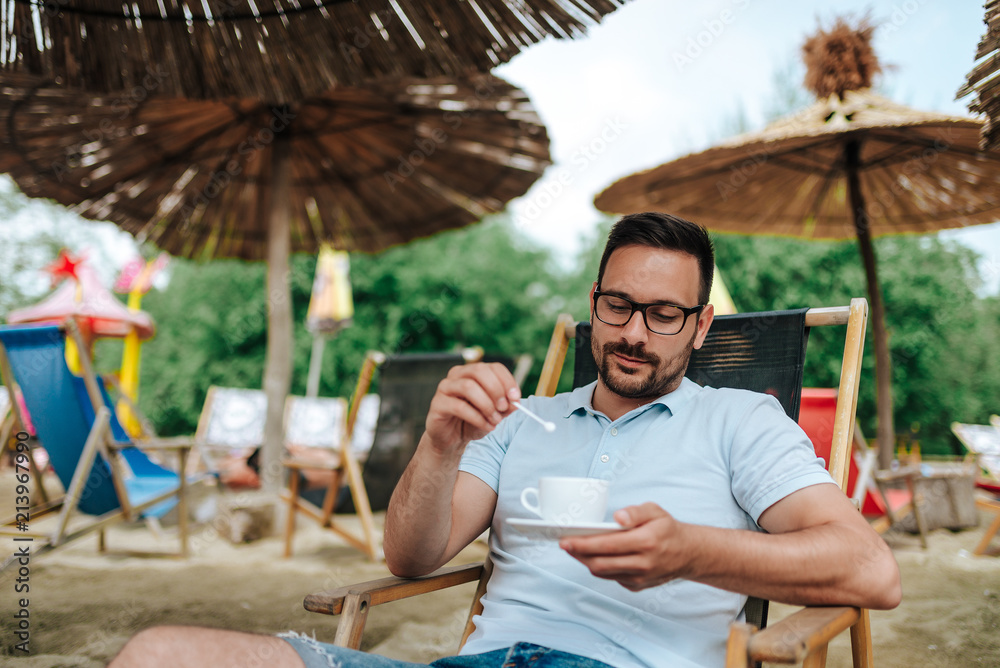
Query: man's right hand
[
  {"x": 469, "y": 404},
  {"x": 435, "y": 510}
]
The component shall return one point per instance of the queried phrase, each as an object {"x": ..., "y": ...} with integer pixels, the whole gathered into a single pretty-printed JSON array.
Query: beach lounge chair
[
  {"x": 104, "y": 475},
  {"x": 983, "y": 444},
  {"x": 12, "y": 423},
  {"x": 230, "y": 429},
  {"x": 899, "y": 497},
  {"x": 406, "y": 384},
  {"x": 771, "y": 359}
]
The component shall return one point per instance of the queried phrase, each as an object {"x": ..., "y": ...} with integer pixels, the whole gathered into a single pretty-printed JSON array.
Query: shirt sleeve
[
  {"x": 771, "y": 457},
  {"x": 484, "y": 457}
]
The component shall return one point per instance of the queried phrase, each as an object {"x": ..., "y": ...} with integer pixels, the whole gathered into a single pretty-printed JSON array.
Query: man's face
[{"x": 632, "y": 361}]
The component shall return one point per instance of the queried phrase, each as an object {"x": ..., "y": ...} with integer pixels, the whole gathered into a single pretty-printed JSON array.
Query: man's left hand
[{"x": 649, "y": 552}]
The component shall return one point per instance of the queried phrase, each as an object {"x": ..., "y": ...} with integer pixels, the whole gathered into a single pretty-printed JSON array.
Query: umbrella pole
[
  {"x": 883, "y": 360},
  {"x": 278, "y": 367},
  {"x": 315, "y": 365}
]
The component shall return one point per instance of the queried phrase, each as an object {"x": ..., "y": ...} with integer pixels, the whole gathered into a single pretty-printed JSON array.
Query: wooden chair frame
[
  {"x": 879, "y": 482},
  {"x": 799, "y": 638},
  {"x": 100, "y": 440},
  {"x": 991, "y": 504},
  {"x": 11, "y": 424},
  {"x": 348, "y": 470}
]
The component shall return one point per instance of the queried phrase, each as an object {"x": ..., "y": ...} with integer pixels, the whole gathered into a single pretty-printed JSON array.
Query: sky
[{"x": 659, "y": 79}]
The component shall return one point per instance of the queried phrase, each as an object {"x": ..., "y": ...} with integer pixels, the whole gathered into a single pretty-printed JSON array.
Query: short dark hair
[{"x": 661, "y": 230}]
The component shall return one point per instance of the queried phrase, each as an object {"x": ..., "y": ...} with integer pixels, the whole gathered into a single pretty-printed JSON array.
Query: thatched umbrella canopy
[
  {"x": 362, "y": 168},
  {"x": 852, "y": 165},
  {"x": 279, "y": 50},
  {"x": 984, "y": 79}
]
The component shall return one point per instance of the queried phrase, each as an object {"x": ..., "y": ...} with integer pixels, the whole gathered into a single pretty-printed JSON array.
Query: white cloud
[{"x": 627, "y": 68}]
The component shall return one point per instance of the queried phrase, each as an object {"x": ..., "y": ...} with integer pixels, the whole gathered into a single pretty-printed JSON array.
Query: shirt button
[
  {"x": 605, "y": 459},
  {"x": 614, "y": 432}
]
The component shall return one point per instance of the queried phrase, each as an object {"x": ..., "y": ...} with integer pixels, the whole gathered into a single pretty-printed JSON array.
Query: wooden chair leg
[
  {"x": 352, "y": 620},
  {"x": 916, "y": 507},
  {"x": 76, "y": 486},
  {"x": 182, "y": 509},
  {"x": 362, "y": 507},
  {"x": 294, "y": 484},
  {"x": 991, "y": 531},
  {"x": 330, "y": 498},
  {"x": 39, "y": 476},
  {"x": 738, "y": 645},
  {"x": 817, "y": 659},
  {"x": 861, "y": 642}
]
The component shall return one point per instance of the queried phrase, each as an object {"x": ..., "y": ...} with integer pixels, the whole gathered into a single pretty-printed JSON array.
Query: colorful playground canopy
[{"x": 96, "y": 310}]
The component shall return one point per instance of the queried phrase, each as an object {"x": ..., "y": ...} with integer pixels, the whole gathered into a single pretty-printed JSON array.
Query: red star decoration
[{"x": 64, "y": 266}]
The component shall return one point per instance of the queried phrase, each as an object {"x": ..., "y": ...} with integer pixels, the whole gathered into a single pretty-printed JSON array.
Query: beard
[{"x": 656, "y": 379}]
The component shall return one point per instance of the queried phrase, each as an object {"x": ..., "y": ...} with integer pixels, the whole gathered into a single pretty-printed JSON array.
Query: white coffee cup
[{"x": 568, "y": 501}]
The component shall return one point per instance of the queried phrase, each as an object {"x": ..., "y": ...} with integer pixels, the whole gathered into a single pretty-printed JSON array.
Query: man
[{"x": 694, "y": 474}]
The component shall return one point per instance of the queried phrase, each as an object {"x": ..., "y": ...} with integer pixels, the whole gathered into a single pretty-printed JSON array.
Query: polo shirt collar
[{"x": 581, "y": 398}]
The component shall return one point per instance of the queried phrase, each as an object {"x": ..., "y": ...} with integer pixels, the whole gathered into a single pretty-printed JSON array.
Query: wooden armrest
[
  {"x": 793, "y": 638},
  {"x": 300, "y": 464},
  {"x": 173, "y": 443},
  {"x": 902, "y": 473},
  {"x": 988, "y": 503},
  {"x": 390, "y": 589}
]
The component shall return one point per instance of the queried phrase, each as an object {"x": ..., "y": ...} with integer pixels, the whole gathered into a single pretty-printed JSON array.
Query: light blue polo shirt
[{"x": 716, "y": 457}]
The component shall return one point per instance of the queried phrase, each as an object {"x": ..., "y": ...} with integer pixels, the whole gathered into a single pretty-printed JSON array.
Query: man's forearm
[
  {"x": 829, "y": 564},
  {"x": 419, "y": 518}
]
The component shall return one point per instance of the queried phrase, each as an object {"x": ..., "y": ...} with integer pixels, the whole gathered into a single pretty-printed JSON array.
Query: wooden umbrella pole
[
  {"x": 278, "y": 368},
  {"x": 883, "y": 361},
  {"x": 315, "y": 364}
]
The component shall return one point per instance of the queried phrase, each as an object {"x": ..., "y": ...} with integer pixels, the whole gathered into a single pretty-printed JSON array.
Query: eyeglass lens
[{"x": 660, "y": 318}]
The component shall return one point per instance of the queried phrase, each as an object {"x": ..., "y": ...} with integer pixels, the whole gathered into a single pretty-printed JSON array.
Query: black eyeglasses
[{"x": 660, "y": 318}]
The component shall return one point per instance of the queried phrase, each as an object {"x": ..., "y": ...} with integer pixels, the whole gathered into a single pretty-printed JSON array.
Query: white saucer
[{"x": 544, "y": 529}]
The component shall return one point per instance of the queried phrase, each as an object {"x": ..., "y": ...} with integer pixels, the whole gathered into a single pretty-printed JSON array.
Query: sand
[{"x": 83, "y": 606}]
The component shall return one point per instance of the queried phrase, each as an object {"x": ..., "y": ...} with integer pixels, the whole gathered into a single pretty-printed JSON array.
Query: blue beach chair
[{"x": 105, "y": 476}]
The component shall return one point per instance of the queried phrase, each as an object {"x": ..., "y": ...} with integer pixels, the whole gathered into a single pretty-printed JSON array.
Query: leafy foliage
[
  {"x": 485, "y": 286},
  {"x": 945, "y": 354},
  {"x": 475, "y": 287}
]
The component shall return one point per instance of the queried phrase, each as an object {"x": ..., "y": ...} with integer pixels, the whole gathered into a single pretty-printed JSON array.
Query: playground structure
[{"x": 79, "y": 296}]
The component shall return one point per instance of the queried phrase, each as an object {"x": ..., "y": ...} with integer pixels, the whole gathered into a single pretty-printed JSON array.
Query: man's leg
[{"x": 193, "y": 647}]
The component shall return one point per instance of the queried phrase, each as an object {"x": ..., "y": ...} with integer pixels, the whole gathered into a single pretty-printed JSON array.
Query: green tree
[
  {"x": 941, "y": 334},
  {"x": 477, "y": 286}
]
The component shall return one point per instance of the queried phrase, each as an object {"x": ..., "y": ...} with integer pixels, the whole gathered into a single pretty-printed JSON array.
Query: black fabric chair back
[
  {"x": 406, "y": 386},
  {"x": 764, "y": 352}
]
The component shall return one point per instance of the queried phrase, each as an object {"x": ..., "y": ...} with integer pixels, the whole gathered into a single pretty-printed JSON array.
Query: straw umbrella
[
  {"x": 362, "y": 168},
  {"x": 852, "y": 165},
  {"x": 983, "y": 79},
  {"x": 279, "y": 51}
]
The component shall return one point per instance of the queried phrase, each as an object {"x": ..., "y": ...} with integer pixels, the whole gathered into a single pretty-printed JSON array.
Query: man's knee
[{"x": 146, "y": 645}]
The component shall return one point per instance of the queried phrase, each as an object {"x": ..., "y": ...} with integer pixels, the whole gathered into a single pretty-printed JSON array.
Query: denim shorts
[{"x": 315, "y": 654}]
